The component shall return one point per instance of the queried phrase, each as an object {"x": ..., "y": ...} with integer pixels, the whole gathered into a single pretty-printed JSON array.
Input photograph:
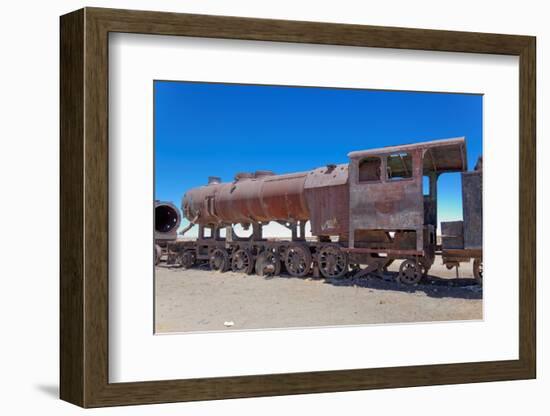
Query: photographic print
[
  {"x": 295, "y": 207},
  {"x": 258, "y": 184}
]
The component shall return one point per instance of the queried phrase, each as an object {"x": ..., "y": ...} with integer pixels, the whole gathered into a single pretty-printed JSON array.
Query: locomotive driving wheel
[
  {"x": 333, "y": 262},
  {"x": 298, "y": 260},
  {"x": 242, "y": 262},
  {"x": 410, "y": 272},
  {"x": 478, "y": 271},
  {"x": 268, "y": 264},
  {"x": 187, "y": 259},
  {"x": 219, "y": 260}
]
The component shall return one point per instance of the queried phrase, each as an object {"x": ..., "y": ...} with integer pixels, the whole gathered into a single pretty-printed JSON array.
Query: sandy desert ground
[{"x": 201, "y": 300}]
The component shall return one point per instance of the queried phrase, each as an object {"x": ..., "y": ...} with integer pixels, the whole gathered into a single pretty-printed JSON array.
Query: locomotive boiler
[
  {"x": 260, "y": 197},
  {"x": 379, "y": 207}
]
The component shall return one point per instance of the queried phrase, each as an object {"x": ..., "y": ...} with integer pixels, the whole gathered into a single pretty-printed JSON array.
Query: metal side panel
[{"x": 472, "y": 209}]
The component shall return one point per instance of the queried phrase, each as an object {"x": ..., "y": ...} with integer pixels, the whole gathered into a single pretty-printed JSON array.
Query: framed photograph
[{"x": 254, "y": 207}]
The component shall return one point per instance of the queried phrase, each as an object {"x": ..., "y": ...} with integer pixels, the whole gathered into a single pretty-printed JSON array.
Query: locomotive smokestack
[{"x": 167, "y": 218}]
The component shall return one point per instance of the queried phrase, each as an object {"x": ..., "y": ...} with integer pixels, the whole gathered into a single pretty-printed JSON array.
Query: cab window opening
[
  {"x": 399, "y": 166},
  {"x": 370, "y": 169}
]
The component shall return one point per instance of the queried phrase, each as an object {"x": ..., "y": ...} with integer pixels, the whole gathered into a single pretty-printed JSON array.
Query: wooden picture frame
[{"x": 84, "y": 207}]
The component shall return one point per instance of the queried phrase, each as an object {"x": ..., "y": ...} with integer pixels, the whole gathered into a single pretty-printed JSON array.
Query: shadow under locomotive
[
  {"x": 364, "y": 215},
  {"x": 432, "y": 286}
]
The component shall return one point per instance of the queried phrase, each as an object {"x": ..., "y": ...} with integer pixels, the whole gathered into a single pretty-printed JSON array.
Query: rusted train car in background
[
  {"x": 462, "y": 241},
  {"x": 167, "y": 221},
  {"x": 363, "y": 215}
]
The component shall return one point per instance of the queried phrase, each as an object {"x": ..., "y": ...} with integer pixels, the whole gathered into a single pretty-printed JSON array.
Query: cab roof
[{"x": 445, "y": 155}]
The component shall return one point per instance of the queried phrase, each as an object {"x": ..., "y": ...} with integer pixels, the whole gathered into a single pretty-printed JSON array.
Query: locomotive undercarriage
[{"x": 322, "y": 256}]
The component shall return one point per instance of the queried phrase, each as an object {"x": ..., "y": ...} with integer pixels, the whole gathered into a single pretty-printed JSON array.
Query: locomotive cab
[{"x": 389, "y": 214}]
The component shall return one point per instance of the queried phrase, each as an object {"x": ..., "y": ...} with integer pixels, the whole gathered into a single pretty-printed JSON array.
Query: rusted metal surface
[
  {"x": 446, "y": 155},
  {"x": 386, "y": 204},
  {"x": 430, "y": 200},
  {"x": 452, "y": 235},
  {"x": 453, "y": 257},
  {"x": 410, "y": 272},
  {"x": 390, "y": 196},
  {"x": 472, "y": 208},
  {"x": 332, "y": 261},
  {"x": 469, "y": 253},
  {"x": 262, "y": 197},
  {"x": 327, "y": 193}
]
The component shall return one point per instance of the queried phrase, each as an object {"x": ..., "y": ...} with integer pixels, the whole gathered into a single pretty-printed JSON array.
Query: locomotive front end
[{"x": 167, "y": 220}]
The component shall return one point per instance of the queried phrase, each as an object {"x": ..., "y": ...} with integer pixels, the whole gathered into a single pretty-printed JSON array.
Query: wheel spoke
[
  {"x": 242, "y": 261},
  {"x": 187, "y": 259},
  {"x": 219, "y": 260},
  {"x": 268, "y": 264},
  {"x": 410, "y": 272},
  {"x": 298, "y": 260},
  {"x": 332, "y": 261}
]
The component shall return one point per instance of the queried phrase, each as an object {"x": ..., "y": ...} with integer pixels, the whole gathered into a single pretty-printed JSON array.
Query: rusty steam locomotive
[{"x": 372, "y": 211}]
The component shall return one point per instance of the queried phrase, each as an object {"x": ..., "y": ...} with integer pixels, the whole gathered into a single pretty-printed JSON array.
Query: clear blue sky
[{"x": 205, "y": 129}]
